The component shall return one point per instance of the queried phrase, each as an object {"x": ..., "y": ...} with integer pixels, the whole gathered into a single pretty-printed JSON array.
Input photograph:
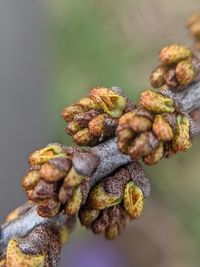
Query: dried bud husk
[
  {"x": 87, "y": 104},
  {"x": 16, "y": 258},
  {"x": 43, "y": 190},
  {"x": 43, "y": 155},
  {"x": 181, "y": 140},
  {"x": 99, "y": 199},
  {"x": 143, "y": 145},
  {"x": 110, "y": 102},
  {"x": 85, "y": 138},
  {"x": 31, "y": 179},
  {"x": 133, "y": 200},
  {"x": 162, "y": 129},
  {"x": 174, "y": 53},
  {"x": 155, "y": 156},
  {"x": 156, "y": 102},
  {"x": 157, "y": 77},
  {"x": 83, "y": 119}
]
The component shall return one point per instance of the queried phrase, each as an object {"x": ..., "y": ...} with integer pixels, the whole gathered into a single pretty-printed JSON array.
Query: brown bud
[
  {"x": 110, "y": 102},
  {"x": 140, "y": 124},
  {"x": 170, "y": 78},
  {"x": 155, "y": 156},
  {"x": 97, "y": 125},
  {"x": 157, "y": 78},
  {"x": 69, "y": 112},
  {"x": 55, "y": 169},
  {"x": 162, "y": 129},
  {"x": 84, "y": 138},
  {"x": 125, "y": 137},
  {"x": 185, "y": 72},
  {"x": 156, "y": 102},
  {"x": 43, "y": 190},
  {"x": 31, "y": 179},
  {"x": 174, "y": 53},
  {"x": 84, "y": 118},
  {"x": 48, "y": 208},
  {"x": 133, "y": 200},
  {"x": 181, "y": 140},
  {"x": 143, "y": 145},
  {"x": 73, "y": 127}
]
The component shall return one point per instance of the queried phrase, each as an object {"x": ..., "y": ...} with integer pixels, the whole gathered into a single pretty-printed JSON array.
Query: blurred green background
[
  {"x": 116, "y": 43},
  {"x": 52, "y": 53}
]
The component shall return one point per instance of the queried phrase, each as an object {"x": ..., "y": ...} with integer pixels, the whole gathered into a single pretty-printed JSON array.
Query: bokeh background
[{"x": 51, "y": 54}]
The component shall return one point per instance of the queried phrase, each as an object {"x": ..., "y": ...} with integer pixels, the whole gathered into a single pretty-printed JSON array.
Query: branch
[{"x": 97, "y": 163}]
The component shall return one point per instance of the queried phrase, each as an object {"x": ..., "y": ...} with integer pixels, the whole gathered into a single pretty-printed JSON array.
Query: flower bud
[
  {"x": 43, "y": 155},
  {"x": 181, "y": 140},
  {"x": 185, "y": 72},
  {"x": 156, "y": 102},
  {"x": 110, "y": 102},
  {"x": 69, "y": 112},
  {"x": 3, "y": 263},
  {"x": 87, "y": 216},
  {"x": 48, "y": 208},
  {"x": 99, "y": 199},
  {"x": 143, "y": 145},
  {"x": 31, "y": 179},
  {"x": 157, "y": 78},
  {"x": 55, "y": 169},
  {"x": 194, "y": 18},
  {"x": 125, "y": 137},
  {"x": 170, "y": 78},
  {"x": 43, "y": 190},
  {"x": 97, "y": 125},
  {"x": 162, "y": 129},
  {"x": 72, "y": 179},
  {"x": 84, "y": 138},
  {"x": 155, "y": 156},
  {"x": 133, "y": 200},
  {"x": 16, "y": 258},
  {"x": 87, "y": 104},
  {"x": 74, "y": 203},
  {"x": 140, "y": 124},
  {"x": 174, "y": 53},
  {"x": 73, "y": 127}
]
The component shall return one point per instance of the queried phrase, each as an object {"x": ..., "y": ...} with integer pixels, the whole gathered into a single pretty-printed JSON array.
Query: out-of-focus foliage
[{"x": 116, "y": 43}]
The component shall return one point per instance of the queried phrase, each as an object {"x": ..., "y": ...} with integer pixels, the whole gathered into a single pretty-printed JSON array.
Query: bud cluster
[
  {"x": 52, "y": 183},
  {"x": 115, "y": 200},
  {"x": 94, "y": 119},
  {"x": 153, "y": 131},
  {"x": 41, "y": 247},
  {"x": 193, "y": 24},
  {"x": 179, "y": 67}
]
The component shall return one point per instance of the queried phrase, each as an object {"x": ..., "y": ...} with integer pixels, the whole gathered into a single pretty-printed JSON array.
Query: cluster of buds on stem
[
  {"x": 155, "y": 130},
  {"x": 193, "y": 24},
  {"x": 179, "y": 67},
  {"x": 115, "y": 200},
  {"x": 52, "y": 183},
  {"x": 39, "y": 248},
  {"x": 93, "y": 119}
]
